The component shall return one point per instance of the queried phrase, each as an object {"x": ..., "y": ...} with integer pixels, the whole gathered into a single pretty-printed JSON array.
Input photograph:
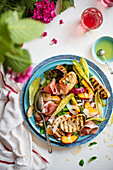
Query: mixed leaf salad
[{"x": 73, "y": 101}]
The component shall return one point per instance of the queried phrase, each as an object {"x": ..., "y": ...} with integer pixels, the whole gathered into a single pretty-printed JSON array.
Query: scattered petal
[
  {"x": 44, "y": 34},
  {"x": 61, "y": 21},
  {"x": 53, "y": 41}
]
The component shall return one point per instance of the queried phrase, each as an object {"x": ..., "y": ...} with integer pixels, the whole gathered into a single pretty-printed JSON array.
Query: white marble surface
[{"x": 71, "y": 42}]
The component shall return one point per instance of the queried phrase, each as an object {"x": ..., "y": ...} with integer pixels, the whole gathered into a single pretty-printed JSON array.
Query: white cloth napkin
[{"x": 17, "y": 150}]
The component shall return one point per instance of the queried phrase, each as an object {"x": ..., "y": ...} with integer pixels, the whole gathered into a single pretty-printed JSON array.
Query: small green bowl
[{"x": 105, "y": 43}]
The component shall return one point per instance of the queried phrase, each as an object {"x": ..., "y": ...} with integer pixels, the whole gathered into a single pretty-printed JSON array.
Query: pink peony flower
[
  {"x": 44, "y": 34},
  {"x": 61, "y": 21},
  {"x": 20, "y": 77},
  {"x": 53, "y": 41},
  {"x": 44, "y": 11}
]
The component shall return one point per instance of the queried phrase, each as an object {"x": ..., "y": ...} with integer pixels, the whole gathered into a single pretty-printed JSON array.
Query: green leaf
[
  {"x": 92, "y": 158},
  {"x": 33, "y": 89},
  {"x": 62, "y": 104},
  {"x": 2, "y": 59},
  {"x": 64, "y": 5},
  {"x": 5, "y": 45},
  {"x": 92, "y": 143},
  {"x": 16, "y": 62},
  {"x": 97, "y": 120},
  {"x": 81, "y": 163},
  {"x": 25, "y": 30},
  {"x": 72, "y": 2},
  {"x": 9, "y": 17}
]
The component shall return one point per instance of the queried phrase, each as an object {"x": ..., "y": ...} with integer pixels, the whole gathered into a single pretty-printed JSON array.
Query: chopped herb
[
  {"x": 81, "y": 109},
  {"x": 71, "y": 102},
  {"x": 61, "y": 113},
  {"x": 65, "y": 109},
  {"x": 76, "y": 86},
  {"x": 76, "y": 133},
  {"x": 92, "y": 158},
  {"x": 93, "y": 143},
  {"x": 81, "y": 163}
]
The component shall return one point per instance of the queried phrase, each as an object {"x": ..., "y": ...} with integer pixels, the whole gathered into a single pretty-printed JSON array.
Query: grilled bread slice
[
  {"x": 98, "y": 86},
  {"x": 61, "y": 68},
  {"x": 73, "y": 124},
  {"x": 70, "y": 80},
  {"x": 57, "y": 131}
]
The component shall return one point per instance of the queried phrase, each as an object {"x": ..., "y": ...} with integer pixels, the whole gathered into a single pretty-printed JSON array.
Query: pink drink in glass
[
  {"x": 91, "y": 18},
  {"x": 108, "y": 3}
]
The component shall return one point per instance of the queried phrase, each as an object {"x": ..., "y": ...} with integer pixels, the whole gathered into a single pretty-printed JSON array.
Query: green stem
[{"x": 12, "y": 7}]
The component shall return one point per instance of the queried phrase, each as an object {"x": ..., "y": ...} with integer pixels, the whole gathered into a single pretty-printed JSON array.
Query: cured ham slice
[
  {"x": 49, "y": 108},
  {"x": 89, "y": 128},
  {"x": 62, "y": 88},
  {"x": 51, "y": 88}
]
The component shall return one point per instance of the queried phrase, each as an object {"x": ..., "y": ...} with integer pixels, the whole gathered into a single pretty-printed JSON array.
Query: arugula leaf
[
  {"x": 25, "y": 30},
  {"x": 81, "y": 163},
  {"x": 92, "y": 158},
  {"x": 17, "y": 62},
  {"x": 93, "y": 143},
  {"x": 61, "y": 113}
]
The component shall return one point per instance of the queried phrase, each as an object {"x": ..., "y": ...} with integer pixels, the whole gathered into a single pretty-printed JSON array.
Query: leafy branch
[{"x": 13, "y": 32}]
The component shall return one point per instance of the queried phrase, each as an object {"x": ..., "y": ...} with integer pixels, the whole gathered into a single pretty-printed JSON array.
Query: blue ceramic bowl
[
  {"x": 38, "y": 72},
  {"x": 105, "y": 43}
]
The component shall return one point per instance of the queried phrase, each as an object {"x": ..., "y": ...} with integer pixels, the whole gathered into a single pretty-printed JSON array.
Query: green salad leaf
[{"x": 33, "y": 89}]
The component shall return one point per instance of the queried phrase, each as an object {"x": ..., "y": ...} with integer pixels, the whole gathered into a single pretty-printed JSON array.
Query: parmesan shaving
[
  {"x": 104, "y": 132},
  {"x": 77, "y": 151},
  {"x": 67, "y": 159},
  {"x": 110, "y": 145},
  {"x": 107, "y": 156},
  {"x": 105, "y": 140}
]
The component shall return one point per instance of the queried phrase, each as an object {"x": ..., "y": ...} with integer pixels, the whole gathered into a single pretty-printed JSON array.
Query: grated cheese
[{"x": 77, "y": 151}]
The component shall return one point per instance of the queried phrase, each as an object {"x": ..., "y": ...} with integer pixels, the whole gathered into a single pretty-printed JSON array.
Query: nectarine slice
[
  {"x": 69, "y": 139},
  {"x": 86, "y": 85},
  {"x": 92, "y": 111}
]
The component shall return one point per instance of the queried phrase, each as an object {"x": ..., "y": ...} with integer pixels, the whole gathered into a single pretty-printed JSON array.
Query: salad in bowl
[{"x": 72, "y": 101}]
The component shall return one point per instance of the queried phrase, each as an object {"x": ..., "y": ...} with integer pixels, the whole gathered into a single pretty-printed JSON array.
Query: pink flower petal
[
  {"x": 53, "y": 41},
  {"x": 61, "y": 21}
]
